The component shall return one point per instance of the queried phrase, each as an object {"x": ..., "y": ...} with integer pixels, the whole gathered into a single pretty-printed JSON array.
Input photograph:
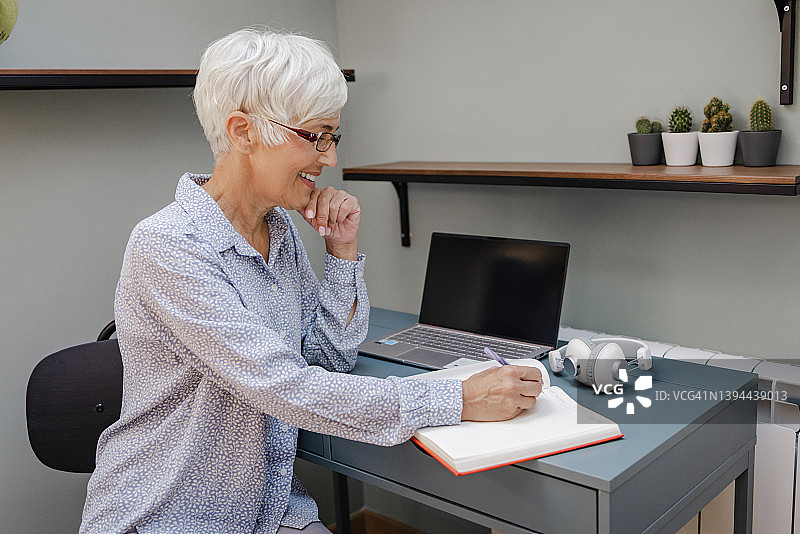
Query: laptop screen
[{"x": 503, "y": 287}]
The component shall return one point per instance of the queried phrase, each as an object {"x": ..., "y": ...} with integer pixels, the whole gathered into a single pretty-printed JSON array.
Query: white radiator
[{"x": 776, "y": 499}]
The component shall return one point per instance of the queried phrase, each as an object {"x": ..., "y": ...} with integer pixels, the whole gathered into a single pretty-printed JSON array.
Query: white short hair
[{"x": 268, "y": 74}]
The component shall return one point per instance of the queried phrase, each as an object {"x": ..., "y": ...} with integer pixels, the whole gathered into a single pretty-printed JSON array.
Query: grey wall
[
  {"x": 515, "y": 80},
  {"x": 78, "y": 170},
  {"x": 521, "y": 80},
  {"x": 147, "y": 33}
]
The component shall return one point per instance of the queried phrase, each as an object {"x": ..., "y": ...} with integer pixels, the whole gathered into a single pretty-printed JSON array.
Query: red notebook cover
[{"x": 452, "y": 470}]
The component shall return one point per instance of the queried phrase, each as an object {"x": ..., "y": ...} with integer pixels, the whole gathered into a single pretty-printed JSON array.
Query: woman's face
[{"x": 285, "y": 174}]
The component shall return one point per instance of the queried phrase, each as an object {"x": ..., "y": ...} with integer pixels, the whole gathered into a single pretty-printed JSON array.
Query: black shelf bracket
[
  {"x": 786, "y": 21},
  {"x": 405, "y": 225}
]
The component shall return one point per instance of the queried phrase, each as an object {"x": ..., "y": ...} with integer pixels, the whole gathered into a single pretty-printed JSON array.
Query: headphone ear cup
[
  {"x": 577, "y": 356},
  {"x": 588, "y": 374},
  {"x": 580, "y": 347},
  {"x": 604, "y": 365}
]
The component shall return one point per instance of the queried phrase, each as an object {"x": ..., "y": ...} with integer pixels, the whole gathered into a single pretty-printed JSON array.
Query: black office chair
[{"x": 72, "y": 396}]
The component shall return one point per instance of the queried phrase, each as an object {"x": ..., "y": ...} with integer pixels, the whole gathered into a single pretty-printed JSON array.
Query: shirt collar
[{"x": 212, "y": 223}]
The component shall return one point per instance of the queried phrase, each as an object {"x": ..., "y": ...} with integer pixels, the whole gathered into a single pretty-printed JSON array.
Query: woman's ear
[{"x": 241, "y": 132}]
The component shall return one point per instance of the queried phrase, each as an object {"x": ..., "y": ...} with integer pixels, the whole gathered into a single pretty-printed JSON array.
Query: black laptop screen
[{"x": 502, "y": 287}]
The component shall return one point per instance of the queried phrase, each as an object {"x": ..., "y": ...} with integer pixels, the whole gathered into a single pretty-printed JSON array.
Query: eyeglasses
[{"x": 322, "y": 141}]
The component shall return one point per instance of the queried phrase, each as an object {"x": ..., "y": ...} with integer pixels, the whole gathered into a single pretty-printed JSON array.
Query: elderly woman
[{"x": 229, "y": 341}]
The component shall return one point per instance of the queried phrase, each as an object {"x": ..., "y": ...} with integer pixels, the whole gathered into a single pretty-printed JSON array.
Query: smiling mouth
[{"x": 309, "y": 179}]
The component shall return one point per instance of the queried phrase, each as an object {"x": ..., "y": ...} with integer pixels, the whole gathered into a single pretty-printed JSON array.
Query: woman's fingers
[
  {"x": 347, "y": 207},
  {"x": 310, "y": 211},
  {"x": 329, "y": 207},
  {"x": 323, "y": 208},
  {"x": 500, "y": 393}
]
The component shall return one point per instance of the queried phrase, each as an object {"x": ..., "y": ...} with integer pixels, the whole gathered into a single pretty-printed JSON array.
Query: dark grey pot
[
  {"x": 759, "y": 149},
  {"x": 646, "y": 149}
]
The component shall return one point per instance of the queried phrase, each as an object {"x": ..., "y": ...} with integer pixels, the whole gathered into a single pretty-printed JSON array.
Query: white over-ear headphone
[{"x": 601, "y": 361}]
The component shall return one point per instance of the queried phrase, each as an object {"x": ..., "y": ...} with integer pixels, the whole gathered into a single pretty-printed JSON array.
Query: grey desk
[{"x": 653, "y": 480}]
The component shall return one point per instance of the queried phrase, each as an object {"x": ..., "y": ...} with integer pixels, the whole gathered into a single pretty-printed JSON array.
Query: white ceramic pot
[
  {"x": 680, "y": 149},
  {"x": 718, "y": 148}
]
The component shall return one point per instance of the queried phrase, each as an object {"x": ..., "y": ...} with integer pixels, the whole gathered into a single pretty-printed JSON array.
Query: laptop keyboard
[{"x": 462, "y": 343}]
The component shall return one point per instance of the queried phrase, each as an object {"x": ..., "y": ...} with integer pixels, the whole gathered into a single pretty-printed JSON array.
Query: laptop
[{"x": 501, "y": 293}]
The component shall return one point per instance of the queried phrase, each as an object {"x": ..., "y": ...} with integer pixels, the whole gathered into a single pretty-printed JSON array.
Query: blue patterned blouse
[{"x": 225, "y": 356}]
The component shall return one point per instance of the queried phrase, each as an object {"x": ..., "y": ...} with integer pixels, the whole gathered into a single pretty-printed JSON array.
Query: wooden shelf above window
[
  {"x": 104, "y": 78},
  {"x": 778, "y": 180}
]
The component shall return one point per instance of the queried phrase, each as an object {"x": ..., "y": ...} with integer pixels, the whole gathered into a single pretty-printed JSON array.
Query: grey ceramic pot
[
  {"x": 646, "y": 149},
  {"x": 759, "y": 149}
]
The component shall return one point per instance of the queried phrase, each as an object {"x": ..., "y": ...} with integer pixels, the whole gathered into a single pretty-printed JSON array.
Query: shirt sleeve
[
  {"x": 328, "y": 339},
  {"x": 203, "y": 321}
]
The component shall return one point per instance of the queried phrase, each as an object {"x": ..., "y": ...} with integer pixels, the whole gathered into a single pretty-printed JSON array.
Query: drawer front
[{"x": 525, "y": 498}]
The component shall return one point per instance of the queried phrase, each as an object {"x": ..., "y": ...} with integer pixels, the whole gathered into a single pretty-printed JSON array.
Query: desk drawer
[
  {"x": 530, "y": 500},
  {"x": 310, "y": 442}
]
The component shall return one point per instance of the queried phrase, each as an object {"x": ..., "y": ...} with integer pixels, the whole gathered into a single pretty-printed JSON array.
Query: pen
[{"x": 494, "y": 356}]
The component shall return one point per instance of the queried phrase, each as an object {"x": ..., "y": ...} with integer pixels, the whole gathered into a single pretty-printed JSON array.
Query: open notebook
[{"x": 550, "y": 427}]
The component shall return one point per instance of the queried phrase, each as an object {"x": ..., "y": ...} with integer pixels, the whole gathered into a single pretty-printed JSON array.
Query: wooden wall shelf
[
  {"x": 95, "y": 78},
  {"x": 104, "y": 78},
  {"x": 778, "y": 180}
]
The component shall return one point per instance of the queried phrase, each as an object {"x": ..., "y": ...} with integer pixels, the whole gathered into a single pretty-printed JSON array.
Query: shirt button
[
  {"x": 284, "y": 427},
  {"x": 274, "y": 288},
  {"x": 282, "y": 333},
  {"x": 283, "y": 471}
]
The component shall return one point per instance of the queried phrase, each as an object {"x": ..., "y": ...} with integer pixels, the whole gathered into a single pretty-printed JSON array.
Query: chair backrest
[{"x": 73, "y": 395}]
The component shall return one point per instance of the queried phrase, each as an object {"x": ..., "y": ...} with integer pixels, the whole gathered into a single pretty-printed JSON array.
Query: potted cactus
[
  {"x": 760, "y": 144},
  {"x": 645, "y": 143},
  {"x": 717, "y": 136},
  {"x": 680, "y": 143}
]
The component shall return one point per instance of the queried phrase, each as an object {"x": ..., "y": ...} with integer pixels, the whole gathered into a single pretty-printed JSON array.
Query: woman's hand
[
  {"x": 500, "y": 393},
  {"x": 335, "y": 214}
]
